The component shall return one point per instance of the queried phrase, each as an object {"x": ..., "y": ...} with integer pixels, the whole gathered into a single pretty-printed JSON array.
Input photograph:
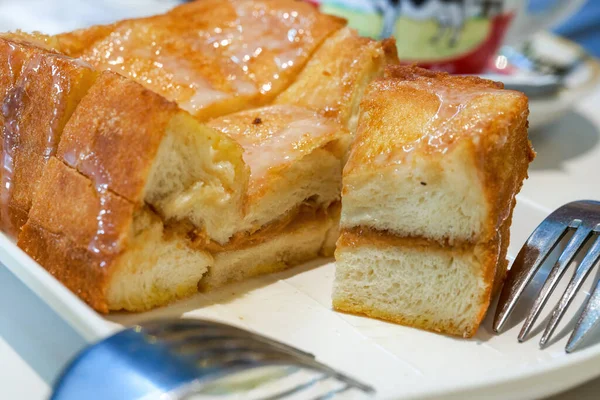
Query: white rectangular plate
[{"x": 295, "y": 307}]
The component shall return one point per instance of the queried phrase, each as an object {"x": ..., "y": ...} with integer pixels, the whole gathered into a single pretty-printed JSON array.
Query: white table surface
[{"x": 35, "y": 343}]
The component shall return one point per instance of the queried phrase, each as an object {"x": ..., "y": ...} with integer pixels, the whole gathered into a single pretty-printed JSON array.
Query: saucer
[{"x": 554, "y": 72}]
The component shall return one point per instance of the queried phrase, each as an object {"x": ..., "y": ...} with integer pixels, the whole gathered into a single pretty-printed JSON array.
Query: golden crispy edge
[
  {"x": 503, "y": 172},
  {"x": 413, "y": 72},
  {"x": 333, "y": 77},
  {"x": 32, "y": 73},
  {"x": 64, "y": 236},
  {"x": 117, "y": 118}
]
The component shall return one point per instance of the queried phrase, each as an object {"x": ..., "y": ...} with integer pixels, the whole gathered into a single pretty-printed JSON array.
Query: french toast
[
  {"x": 97, "y": 220},
  {"x": 427, "y": 199},
  {"x": 185, "y": 151},
  {"x": 158, "y": 202}
]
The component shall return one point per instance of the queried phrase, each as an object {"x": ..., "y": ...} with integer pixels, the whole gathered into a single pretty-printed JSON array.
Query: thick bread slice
[
  {"x": 109, "y": 251},
  {"x": 415, "y": 282},
  {"x": 429, "y": 191},
  {"x": 212, "y": 57},
  {"x": 295, "y": 156},
  {"x": 135, "y": 143},
  {"x": 39, "y": 89},
  {"x": 429, "y": 141},
  {"x": 335, "y": 78}
]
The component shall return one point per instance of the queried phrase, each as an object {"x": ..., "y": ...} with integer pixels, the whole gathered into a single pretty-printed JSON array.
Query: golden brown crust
[
  {"x": 391, "y": 51},
  {"x": 75, "y": 267},
  {"x": 75, "y": 43},
  {"x": 503, "y": 171},
  {"x": 68, "y": 203},
  {"x": 37, "y": 39},
  {"x": 70, "y": 233},
  {"x": 431, "y": 110},
  {"x": 39, "y": 89},
  {"x": 215, "y": 57},
  {"x": 114, "y": 135}
]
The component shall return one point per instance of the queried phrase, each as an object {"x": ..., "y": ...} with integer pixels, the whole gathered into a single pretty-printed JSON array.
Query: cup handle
[{"x": 526, "y": 24}]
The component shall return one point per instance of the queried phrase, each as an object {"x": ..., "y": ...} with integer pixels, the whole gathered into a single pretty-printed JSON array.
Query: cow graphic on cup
[
  {"x": 449, "y": 15},
  {"x": 458, "y": 36}
]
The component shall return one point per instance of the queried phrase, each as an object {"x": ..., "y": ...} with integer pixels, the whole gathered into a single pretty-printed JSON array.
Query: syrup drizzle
[
  {"x": 269, "y": 146},
  {"x": 88, "y": 165},
  {"x": 12, "y": 107},
  {"x": 439, "y": 133},
  {"x": 244, "y": 56},
  {"x": 60, "y": 86}
]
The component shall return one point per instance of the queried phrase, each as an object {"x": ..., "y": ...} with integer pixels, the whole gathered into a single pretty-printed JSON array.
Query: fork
[
  {"x": 582, "y": 217},
  {"x": 183, "y": 358}
]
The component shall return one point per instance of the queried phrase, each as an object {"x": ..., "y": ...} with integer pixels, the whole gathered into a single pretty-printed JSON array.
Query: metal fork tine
[
  {"x": 558, "y": 270},
  {"x": 581, "y": 273},
  {"x": 589, "y": 319},
  {"x": 531, "y": 256}
]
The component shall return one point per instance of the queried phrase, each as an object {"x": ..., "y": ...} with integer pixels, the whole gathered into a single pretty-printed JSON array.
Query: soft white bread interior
[
  {"x": 406, "y": 200},
  {"x": 300, "y": 241},
  {"x": 184, "y": 169},
  {"x": 428, "y": 194},
  {"x": 158, "y": 267},
  {"x": 416, "y": 282},
  {"x": 199, "y": 175}
]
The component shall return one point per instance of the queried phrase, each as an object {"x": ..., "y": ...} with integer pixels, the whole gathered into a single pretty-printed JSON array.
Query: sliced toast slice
[
  {"x": 427, "y": 199},
  {"x": 111, "y": 252},
  {"x": 39, "y": 89},
  {"x": 212, "y": 57},
  {"x": 132, "y": 141},
  {"x": 428, "y": 142}
]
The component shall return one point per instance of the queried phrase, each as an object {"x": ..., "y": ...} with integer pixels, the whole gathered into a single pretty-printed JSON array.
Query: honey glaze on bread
[
  {"x": 135, "y": 201},
  {"x": 439, "y": 138},
  {"x": 212, "y": 57},
  {"x": 40, "y": 89},
  {"x": 427, "y": 200}
]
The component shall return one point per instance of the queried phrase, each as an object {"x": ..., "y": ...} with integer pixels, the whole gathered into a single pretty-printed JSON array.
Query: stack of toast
[
  {"x": 429, "y": 189},
  {"x": 154, "y": 157}
]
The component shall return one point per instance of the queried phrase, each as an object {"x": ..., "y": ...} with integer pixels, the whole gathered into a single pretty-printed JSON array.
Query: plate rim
[{"x": 93, "y": 327}]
